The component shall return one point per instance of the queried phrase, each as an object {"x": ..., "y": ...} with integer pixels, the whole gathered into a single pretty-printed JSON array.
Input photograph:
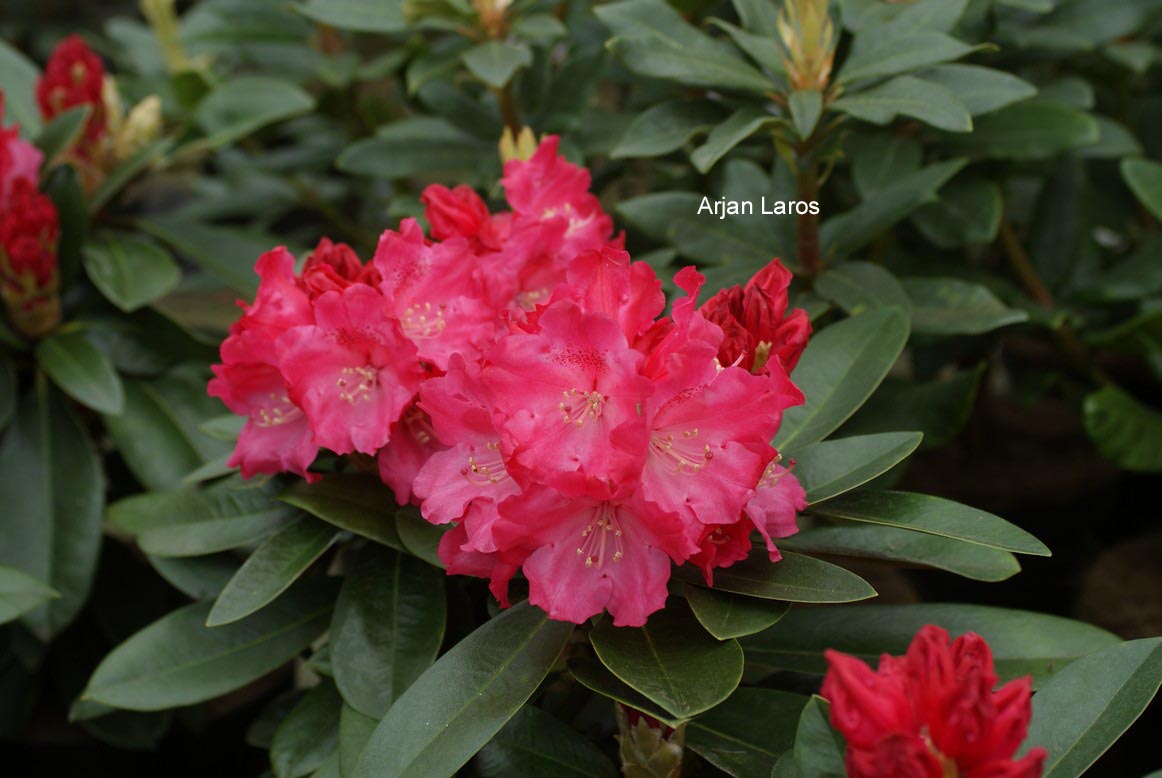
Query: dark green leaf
[
  {"x": 420, "y": 538},
  {"x": 178, "y": 660},
  {"x": 121, "y": 175},
  {"x": 64, "y": 187},
  {"x": 746, "y": 734},
  {"x": 929, "y": 102},
  {"x": 358, "y": 15},
  {"x": 226, "y": 253},
  {"x": 835, "y": 466},
  {"x": 595, "y": 676},
  {"x": 18, "y": 76},
  {"x": 464, "y": 699},
  {"x": 948, "y": 306},
  {"x": 157, "y": 432},
  {"x": 795, "y": 578},
  {"x": 878, "y": 159},
  {"x": 535, "y": 743},
  {"x": 387, "y": 630},
  {"x": 354, "y": 731},
  {"x": 1082, "y": 710},
  {"x": 1023, "y": 643},
  {"x": 967, "y": 212},
  {"x": 818, "y": 749},
  {"x": 726, "y": 615},
  {"x": 357, "y": 503},
  {"x": 981, "y": 90},
  {"x": 839, "y": 370},
  {"x": 1144, "y": 177},
  {"x": 417, "y": 145},
  {"x": 934, "y": 515},
  {"x": 273, "y": 567},
  {"x": 129, "y": 271},
  {"x": 666, "y": 127},
  {"x": 907, "y": 50},
  {"x": 58, "y": 136},
  {"x": 891, "y": 544},
  {"x": 83, "y": 372},
  {"x": 7, "y": 390},
  {"x": 738, "y": 127},
  {"x": 54, "y": 492},
  {"x": 861, "y": 286},
  {"x": 1124, "y": 429},
  {"x": 309, "y": 735},
  {"x": 806, "y": 107},
  {"x": 198, "y": 577},
  {"x": 496, "y": 62},
  {"x": 20, "y": 593},
  {"x": 672, "y": 660},
  {"x": 939, "y": 409},
  {"x": 1028, "y": 130},
  {"x": 244, "y": 104}
]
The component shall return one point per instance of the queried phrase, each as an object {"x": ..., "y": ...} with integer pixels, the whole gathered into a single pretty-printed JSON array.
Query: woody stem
[{"x": 807, "y": 224}]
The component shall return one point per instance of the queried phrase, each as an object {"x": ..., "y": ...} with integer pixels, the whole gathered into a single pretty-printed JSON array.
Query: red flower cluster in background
[
  {"x": 932, "y": 713},
  {"x": 74, "y": 76},
  {"x": 515, "y": 377}
]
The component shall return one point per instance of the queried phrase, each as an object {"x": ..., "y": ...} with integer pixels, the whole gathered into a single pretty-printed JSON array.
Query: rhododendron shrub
[{"x": 515, "y": 377}]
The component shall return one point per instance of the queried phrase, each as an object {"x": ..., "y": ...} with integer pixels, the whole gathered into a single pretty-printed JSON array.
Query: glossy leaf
[
  {"x": 948, "y": 306},
  {"x": 54, "y": 492},
  {"x": 929, "y": 102},
  {"x": 129, "y": 271},
  {"x": 58, "y": 136},
  {"x": 934, "y": 515},
  {"x": 533, "y": 742},
  {"x": 18, "y": 76},
  {"x": 833, "y": 467},
  {"x": 420, "y": 144},
  {"x": 178, "y": 660},
  {"x": 199, "y": 577},
  {"x": 878, "y": 159},
  {"x": 84, "y": 373},
  {"x": 1083, "y": 709},
  {"x": 666, "y": 127},
  {"x": 818, "y": 748},
  {"x": 496, "y": 62},
  {"x": 939, "y": 408},
  {"x": 739, "y": 126},
  {"x": 7, "y": 390},
  {"x": 1023, "y": 643},
  {"x": 464, "y": 699},
  {"x": 890, "y": 544},
  {"x": 726, "y": 615},
  {"x": 595, "y": 676},
  {"x": 1028, "y": 130},
  {"x": 967, "y": 212},
  {"x": 383, "y": 16},
  {"x": 806, "y": 107},
  {"x": 388, "y": 627},
  {"x": 1144, "y": 178},
  {"x": 745, "y": 735},
  {"x": 889, "y": 55},
  {"x": 1124, "y": 429},
  {"x": 841, "y": 367},
  {"x": 795, "y": 578},
  {"x": 672, "y": 660},
  {"x": 20, "y": 593},
  {"x": 861, "y": 286},
  {"x": 981, "y": 90},
  {"x": 226, "y": 253},
  {"x": 244, "y": 104},
  {"x": 273, "y": 567},
  {"x": 354, "y": 731},
  {"x": 357, "y": 503}
]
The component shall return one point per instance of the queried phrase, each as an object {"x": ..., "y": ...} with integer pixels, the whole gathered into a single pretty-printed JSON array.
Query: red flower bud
[
  {"x": 458, "y": 212},
  {"x": 73, "y": 76},
  {"x": 334, "y": 267},
  {"x": 28, "y": 264}
]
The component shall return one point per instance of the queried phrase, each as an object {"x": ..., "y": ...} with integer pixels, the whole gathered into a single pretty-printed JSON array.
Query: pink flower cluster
[{"x": 515, "y": 378}]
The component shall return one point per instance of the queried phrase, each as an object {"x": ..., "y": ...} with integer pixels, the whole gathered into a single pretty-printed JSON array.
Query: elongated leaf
[
  {"x": 840, "y": 235},
  {"x": 839, "y": 370},
  {"x": 878, "y": 159},
  {"x": 738, "y": 127},
  {"x": 64, "y": 188},
  {"x": 981, "y": 90},
  {"x": 496, "y": 62},
  {"x": 383, "y": 16},
  {"x": 861, "y": 286},
  {"x": 20, "y": 593},
  {"x": 356, "y": 503},
  {"x": 1144, "y": 178},
  {"x": 226, "y": 253},
  {"x": 244, "y": 104},
  {"x": 595, "y": 676},
  {"x": 1083, "y": 709},
  {"x": 354, "y": 731},
  {"x": 388, "y": 626},
  {"x": 1023, "y": 643},
  {"x": 934, "y": 515},
  {"x": 200, "y": 577},
  {"x": 84, "y": 373},
  {"x": 806, "y": 106},
  {"x": 54, "y": 492},
  {"x": 666, "y": 127},
  {"x": 178, "y": 660},
  {"x": 7, "y": 390},
  {"x": 939, "y": 409},
  {"x": 890, "y": 544},
  {"x": 18, "y": 76},
  {"x": 129, "y": 271},
  {"x": 746, "y": 734},
  {"x": 1032, "y": 129},
  {"x": 1124, "y": 429},
  {"x": 420, "y": 144},
  {"x": 535, "y": 743},
  {"x": 968, "y": 211},
  {"x": 726, "y": 615},
  {"x": 58, "y": 136},
  {"x": 948, "y": 306},
  {"x": 672, "y": 660},
  {"x": 464, "y": 699},
  {"x": 889, "y": 55},
  {"x": 795, "y": 578},
  {"x": 121, "y": 175},
  {"x": 273, "y": 567},
  {"x": 309, "y": 735},
  {"x": 835, "y": 466},
  {"x": 929, "y": 102},
  {"x": 818, "y": 748}
]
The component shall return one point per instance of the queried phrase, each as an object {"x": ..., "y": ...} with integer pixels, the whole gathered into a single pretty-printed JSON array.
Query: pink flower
[
  {"x": 352, "y": 371},
  {"x": 19, "y": 159},
  {"x": 931, "y": 713},
  {"x": 277, "y": 436},
  {"x": 436, "y": 294},
  {"x": 412, "y": 443},
  {"x": 776, "y": 503},
  {"x": 721, "y": 545},
  {"x": 498, "y": 566},
  {"x": 593, "y": 554},
  {"x": 569, "y": 399},
  {"x": 756, "y": 321}
]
